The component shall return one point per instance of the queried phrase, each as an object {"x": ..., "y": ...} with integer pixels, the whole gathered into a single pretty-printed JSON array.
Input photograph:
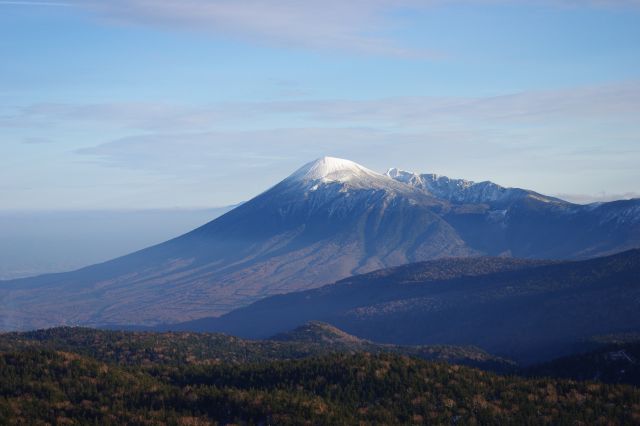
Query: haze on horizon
[{"x": 131, "y": 104}]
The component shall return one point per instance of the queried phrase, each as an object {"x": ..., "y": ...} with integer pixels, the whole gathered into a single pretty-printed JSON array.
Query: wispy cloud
[
  {"x": 364, "y": 26},
  {"x": 278, "y": 150},
  {"x": 596, "y": 104},
  {"x": 591, "y": 130},
  {"x": 36, "y": 141},
  {"x": 131, "y": 115},
  {"x": 356, "y": 25},
  {"x": 575, "y": 141},
  {"x": 531, "y": 136},
  {"x": 607, "y": 101},
  {"x": 507, "y": 156},
  {"x": 34, "y": 3}
]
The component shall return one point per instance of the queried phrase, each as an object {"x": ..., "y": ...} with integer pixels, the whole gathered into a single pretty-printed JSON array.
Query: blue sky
[{"x": 116, "y": 104}]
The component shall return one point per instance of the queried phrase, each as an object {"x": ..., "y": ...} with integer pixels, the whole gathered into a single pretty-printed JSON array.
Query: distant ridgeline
[{"x": 333, "y": 219}]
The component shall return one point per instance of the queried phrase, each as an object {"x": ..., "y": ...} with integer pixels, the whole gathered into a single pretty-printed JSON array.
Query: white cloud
[
  {"x": 35, "y": 140},
  {"x": 574, "y": 141},
  {"x": 356, "y": 25},
  {"x": 34, "y": 3},
  {"x": 180, "y": 152},
  {"x": 591, "y": 130},
  {"x": 608, "y": 103},
  {"x": 587, "y": 138},
  {"x": 604, "y": 102},
  {"x": 245, "y": 162}
]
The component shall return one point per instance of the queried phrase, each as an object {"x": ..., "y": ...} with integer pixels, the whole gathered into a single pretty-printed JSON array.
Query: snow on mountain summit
[
  {"x": 338, "y": 188},
  {"x": 465, "y": 191},
  {"x": 325, "y": 172},
  {"x": 331, "y": 169}
]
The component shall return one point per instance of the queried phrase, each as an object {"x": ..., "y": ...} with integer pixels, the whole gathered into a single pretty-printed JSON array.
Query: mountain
[
  {"x": 461, "y": 191},
  {"x": 495, "y": 220},
  {"x": 38, "y": 242},
  {"x": 523, "y": 310},
  {"x": 329, "y": 220}
]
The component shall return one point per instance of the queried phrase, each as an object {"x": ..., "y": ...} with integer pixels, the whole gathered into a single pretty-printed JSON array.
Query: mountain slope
[
  {"x": 461, "y": 191},
  {"x": 616, "y": 363},
  {"x": 517, "y": 222},
  {"x": 525, "y": 311},
  {"x": 330, "y": 219}
]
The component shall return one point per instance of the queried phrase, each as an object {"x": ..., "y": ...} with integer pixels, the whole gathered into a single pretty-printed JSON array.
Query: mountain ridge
[
  {"x": 463, "y": 191},
  {"x": 328, "y": 220}
]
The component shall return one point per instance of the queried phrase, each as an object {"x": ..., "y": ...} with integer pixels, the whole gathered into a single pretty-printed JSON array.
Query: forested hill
[
  {"x": 316, "y": 375},
  {"x": 180, "y": 348},
  {"x": 52, "y": 387}
]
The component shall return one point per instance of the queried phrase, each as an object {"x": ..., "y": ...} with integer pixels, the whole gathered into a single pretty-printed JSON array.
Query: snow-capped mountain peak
[
  {"x": 331, "y": 169},
  {"x": 457, "y": 190},
  {"x": 403, "y": 176},
  {"x": 464, "y": 191}
]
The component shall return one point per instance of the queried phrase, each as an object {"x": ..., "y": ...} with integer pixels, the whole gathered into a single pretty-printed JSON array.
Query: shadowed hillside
[
  {"x": 520, "y": 310},
  {"x": 613, "y": 363}
]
